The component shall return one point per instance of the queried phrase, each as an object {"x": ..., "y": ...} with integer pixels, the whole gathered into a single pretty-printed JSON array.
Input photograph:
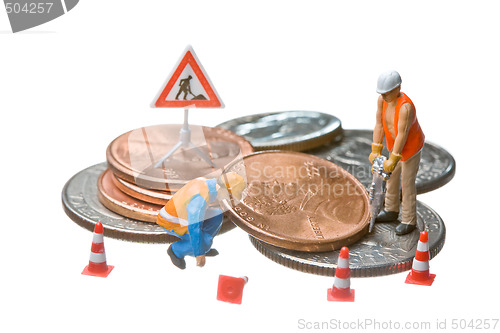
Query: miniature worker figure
[
  {"x": 397, "y": 121},
  {"x": 187, "y": 216}
]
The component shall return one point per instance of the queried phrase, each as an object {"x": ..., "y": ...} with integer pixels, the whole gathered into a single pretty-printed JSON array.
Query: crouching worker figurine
[
  {"x": 187, "y": 215},
  {"x": 397, "y": 121}
]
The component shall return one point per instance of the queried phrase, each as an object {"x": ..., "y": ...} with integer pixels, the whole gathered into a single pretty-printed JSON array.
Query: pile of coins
[{"x": 285, "y": 210}]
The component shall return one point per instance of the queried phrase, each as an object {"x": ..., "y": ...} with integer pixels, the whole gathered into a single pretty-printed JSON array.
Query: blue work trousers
[{"x": 209, "y": 228}]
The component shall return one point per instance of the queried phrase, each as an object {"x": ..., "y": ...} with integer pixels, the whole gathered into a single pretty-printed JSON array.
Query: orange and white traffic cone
[
  {"x": 230, "y": 289},
  {"x": 97, "y": 264},
  {"x": 419, "y": 273},
  {"x": 341, "y": 290}
]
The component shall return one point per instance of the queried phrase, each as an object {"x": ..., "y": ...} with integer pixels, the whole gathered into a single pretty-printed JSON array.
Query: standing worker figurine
[
  {"x": 188, "y": 217},
  {"x": 397, "y": 121}
]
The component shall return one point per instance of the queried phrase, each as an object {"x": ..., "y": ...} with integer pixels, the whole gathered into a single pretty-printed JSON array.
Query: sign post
[{"x": 188, "y": 86}]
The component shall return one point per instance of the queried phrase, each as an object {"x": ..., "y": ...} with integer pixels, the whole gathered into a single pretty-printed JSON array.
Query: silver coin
[
  {"x": 81, "y": 204},
  {"x": 381, "y": 252},
  {"x": 437, "y": 166},
  {"x": 288, "y": 130}
]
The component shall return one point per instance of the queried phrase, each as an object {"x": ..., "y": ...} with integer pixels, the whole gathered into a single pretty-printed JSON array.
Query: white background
[{"x": 67, "y": 88}]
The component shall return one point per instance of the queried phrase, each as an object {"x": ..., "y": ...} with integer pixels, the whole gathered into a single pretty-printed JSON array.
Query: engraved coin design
[
  {"x": 299, "y": 201},
  {"x": 81, "y": 204},
  {"x": 288, "y": 130},
  {"x": 132, "y": 155},
  {"x": 380, "y": 252},
  {"x": 437, "y": 166}
]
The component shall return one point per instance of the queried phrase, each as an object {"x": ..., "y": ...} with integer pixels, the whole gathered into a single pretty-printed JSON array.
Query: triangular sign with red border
[{"x": 188, "y": 86}]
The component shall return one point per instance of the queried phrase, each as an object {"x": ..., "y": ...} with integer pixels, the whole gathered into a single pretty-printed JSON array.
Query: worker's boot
[
  {"x": 179, "y": 262},
  {"x": 212, "y": 253},
  {"x": 404, "y": 228},
  {"x": 386, "y": 216}
]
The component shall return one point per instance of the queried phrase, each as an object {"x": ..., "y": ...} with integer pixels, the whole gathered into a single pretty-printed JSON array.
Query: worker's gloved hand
[
  {"x": 390, "y": 164},
  {"x": 376, "y": 151},
  {"x": 200, "y": 260}
]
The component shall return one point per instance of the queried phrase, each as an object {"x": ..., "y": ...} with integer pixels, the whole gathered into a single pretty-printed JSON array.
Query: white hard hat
[{"x": 387, "y": 81}]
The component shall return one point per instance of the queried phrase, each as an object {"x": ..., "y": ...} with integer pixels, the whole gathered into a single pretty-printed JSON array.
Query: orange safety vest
[
  {"x": 176, "y": 206},
  {"x": 416, "y": 137}
]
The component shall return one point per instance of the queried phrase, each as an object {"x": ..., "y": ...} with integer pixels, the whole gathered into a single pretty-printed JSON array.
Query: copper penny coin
[
  {"x": 132, "y": 155},
  {"x": 300, "y": 202},
  {"x": 117, "y": 201},
  {"x": 152, "y": 196}
]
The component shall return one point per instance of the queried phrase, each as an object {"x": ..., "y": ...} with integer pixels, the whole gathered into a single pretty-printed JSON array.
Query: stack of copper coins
[{"x": 134, "y": 187}]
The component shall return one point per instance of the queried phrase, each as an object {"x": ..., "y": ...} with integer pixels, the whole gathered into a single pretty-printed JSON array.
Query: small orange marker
[
  {"x": 97, "y": 264},
  {"x": 419, "y": 273},
  {"x": 230, "y": 289},
  {"x": 341, "y": 290}
]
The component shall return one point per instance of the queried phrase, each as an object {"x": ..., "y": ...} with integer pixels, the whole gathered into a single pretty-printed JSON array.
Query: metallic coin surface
[
  {"x": 288, "y": 130},
  {"x": 437, "y": 166},
  {"x": 81, "y": 204},
  {"x": 132, "y": 155},
  {"x": 299, "y": 201},
  {"x": 117, "y": 201},
  {"x": 380, "y": 252},
  {"x": 151, "y": 196}
]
